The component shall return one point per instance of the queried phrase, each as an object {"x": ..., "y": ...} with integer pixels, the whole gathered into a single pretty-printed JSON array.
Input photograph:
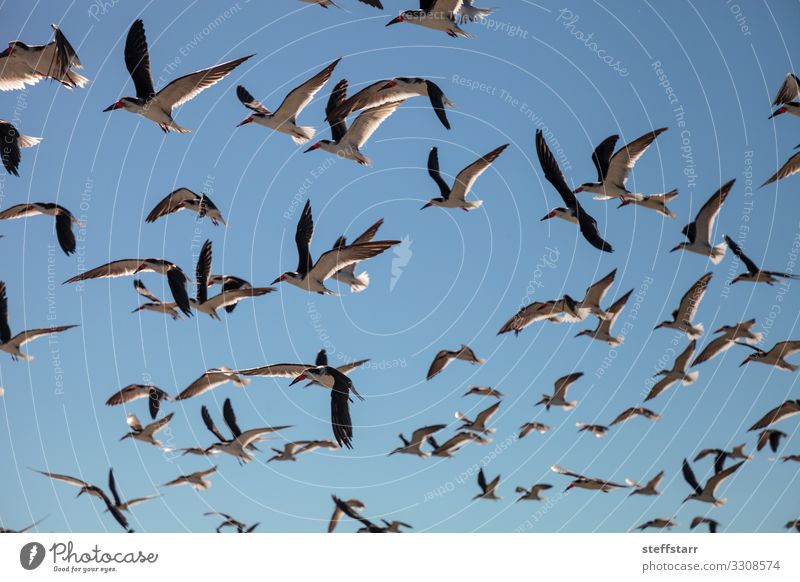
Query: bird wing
[
  {"x": 440, "y": 362},
  {"x": 137, "y": 60},
  {"x": 437, "y": 98},
  {"x": 737, "y": 250},
  {"x": 127, "y": 394},
  {"x": 332, "y": 261},
  {"x": 5, "y": 329},
  {"x": 29, "y": 335},
  {"x": 19, "y": 211},
  {"x": 682, "y": 361},
  {"x": 144, "y": 291},
  {"x": 156, "y": 426},
  {"x": 601, "y": 156},
  {"x": 341, "y": 422},
  {"x": 227, "y": 298},
  {"x": 301, "y": 96},
  {"x": 596, "y": 292},
  {"x": 563, "y": 471},
  {"x": 277, "y": 370},
  {"x": 333, "y": 109},
  {"x": 170, "y": 203},
  {"x": 785, "y": 410},
  {"x": 791, "y": 167},
  {"x": 718, "y": 478},
  {"x": 249, "y": 101},
  {"x": 486, "y": 415},
  {"x": 690, "y": 301},
  {"x": 466, "y": 178},
  {"x": 203, "y": 271},
  {"x": 177, "y": 285},
  {"x": 134, "y": 423},
  {"x": 189, "y": 86},
  {"x": 445, "y": 7},
  {"x": 657, "y": 389},
  {"x": 74, "y": 481},
  {"x": 209, "y": 380},
  {"x": 715, "y": 347},
  {"x": 419, "y": 436},
  {"x": 704, "y": 223},
  {"x": 230, "y": 418},
  {"x": 789, "y": 91},
  {"x": 787, "y": 348},
  {"x": 209, "y": 422},
  {"x": 482, "y": 480},
  {"x": 655, "y": 481},
  {"x": 248, "y": 437},
  {"x": 66, "y": 238},
  {"x": 112, "y": 486},
  {"x": 616, "y": 309},
  {"x": 302, "y": 238},
  {"x": 688, "y": 475},
  {"x": 563, "y": 384},
  {"x": 368, "y": 234},
  {"x": 435, "y": 174},
  {"x": 121, "y": 268},
  {"x": 368, "y": 122},
  {"x": 625, "y": 159}
]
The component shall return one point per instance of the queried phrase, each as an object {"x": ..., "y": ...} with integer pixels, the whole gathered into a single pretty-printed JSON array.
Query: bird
[
  {"x": 348, "y": 509},
  {"x": 346, "y": 143},
  {"x": 700, "y": 231},
  {"x": 786, "y": 99},
  {"x": 294, "y": 370},
  {"x": 479, "y": 424},
  {"x": 326, "y": 3},
  {"x": 131, "y": 392},
  {"x": 311, "y": 276},
  {"x": 242, "y": 440},
  {"x": 418, "y": 438},
  {"x": 707, "y": 494},
  {"x": 147, "y": 434},
  {"x": 590, "y": 483},
  {"x": 284, "y": 119},
  {"x": 229, "y": 283},
  {"x": 453, "y": 444},
  {"x": 198, "y": 480},
  {"x": 530, "y": 427},
  {"x": 574, "y": 211},
  {"x": 11, "y": 140},
  {"x": 4, "y": 530},
  {"x": 118, "y": 503},
  {"x": 352, "y": 504},
  {"x": 442, "y": 15},
  {"x": 678, "y": 373},
  {"x": 64, "y": 220},
  {"x": 12, "y": 345},
  {"x": 754, "y": 274},
  {"x": 683, "y": 317},
  {"x": 483, "y": 391},
  {"x": 158, "y": 106},
  {"x": 176, "y": 278},
  {"x": 789, "y": 168},
  {"x": 787, "y": 458},
  {"x": 444, "y": 357},
  {"x": 658, "y": 523},
  {"x": 292, "y": 449},
  {"x": 154, "y": 304},
  {"x": 793, "y": 524},
  {"x": 185, "y": 199},
  {"x": 775, "y": 356},
  {"x": 533, "y": 494},
  {"x": 210, "y": 305},
  {"x": 711, "y": 523},
  {"x": 455, "y": 197},
  {"x": 229, "y": 416},
  {"x": 554, "y": 311},
  {"x": 780, "y": 412},
  {"x": 770, "y": 437},
  {"x": 347, "y": 275},
  {"x": 399, "y": 88},
  {"x": 730, "y": 333},
  {"x": 720, "y": 456},
  {"x": 559, "y": 396},
  {"x": 634, "y": 411},
  {"x": 595, "y": 293},
  {"x": 341, "y": 421},
  {"x": 488, "y": 489},
  {"x": 613, "y": 170},
  {"x": 210, "y": 379},
  {"x": 228, "y": 521},
  {"x": 650, "y": 488},
  {"x": 24, "y": 64},
  {"x": 598, "y": 430},
  {"x": 603, "y": 330}
]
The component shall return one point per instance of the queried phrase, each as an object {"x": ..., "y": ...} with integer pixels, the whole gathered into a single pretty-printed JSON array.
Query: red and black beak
[
  {"x": 300, "y": 378},
  {"x": 395, "y": 21},
  {"x": 117, "y": 105}
]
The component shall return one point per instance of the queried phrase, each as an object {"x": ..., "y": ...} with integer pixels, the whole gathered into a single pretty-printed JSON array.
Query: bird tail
[
  {"x": 690, "y": 378},
  {"x": 240, "y": 382},
  {"x": 361, "y": 283},
  {"x": 698, "y": 330},
  {"x": 473, "y": 205},
  {"x": 756, "y": 339},
  {"x": 718, "y": 253},
  {"x": 73, "y": 79},
  {"x": 303, "y": 134},
  {"x": 460, "y": 416},
  {"x": 176, "y": 128}
]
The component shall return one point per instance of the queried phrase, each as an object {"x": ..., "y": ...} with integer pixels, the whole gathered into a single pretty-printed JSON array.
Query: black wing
[
  {"x": 302, "y": 237},
  {"x": 209, "y": 422},
  {"x": 203, "y": 271},
  {"x": 341, "y": 422},
  {"x": 9, "y": 147},
  {"x": 154, "y": 402},
  {"x": 230, "y": 284},
  {"x": 137, "y": 59},
  {"x": 737, "y": 250},
  {"x": 688, "y": 474},
  {"x": 335, "y": 102},
  {"x": 230, "y": 418},
  {"x": 5, "y": 330},
  {"x": 433, "y": 172},
  {"x": 482, "y": 480},
  {"x": 436, "y": 96},
  {"x": 373, "y": 3},
  {"x": 601, "y": 156},
  {"x": 112, "y": 485},
  {"x": 66, "y": 238},
  {"x": 349, "y": 512},
  {"x": 322, "y": 358},
  {"x": 65, "y": 55},
  {"x": 177, "y": 284}
]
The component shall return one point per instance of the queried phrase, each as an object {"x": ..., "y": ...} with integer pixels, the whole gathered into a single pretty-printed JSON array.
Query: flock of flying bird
[{"x": 22, "y": 64}]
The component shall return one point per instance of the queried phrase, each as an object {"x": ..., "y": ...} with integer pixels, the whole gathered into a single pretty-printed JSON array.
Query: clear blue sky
[{"x": 467, "y": 273}]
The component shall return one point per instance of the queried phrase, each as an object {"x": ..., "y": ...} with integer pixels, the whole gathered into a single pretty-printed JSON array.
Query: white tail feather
[{"x": 303, "y": 134}]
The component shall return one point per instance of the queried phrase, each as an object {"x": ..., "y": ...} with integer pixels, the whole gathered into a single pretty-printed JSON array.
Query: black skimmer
[
  {"x": 583, "y": 482},
  {"x": 294, "y": 370},
  {"x": 786, "y": 100},
  {"x": 658, "y": 523},
  {"x": 530, "y": 427},
  {"x": 154, "y": 304},
  {"x": 559, "y": 397},
  {"x": 444, "y": 357},
  {"x": 730, "y": 333},
  {"x": 210, "y": 379},
  {"x": 243, "y": 441},
  {"x": 707, "y": 494},
  {"x": 341, "y": 387},
  {"x": 455, "y": 197},
  {"x": 633, "y": 412},
  {"x": 347, "y": 275},
  {"x": 118, "y": 503},
  {"x": 64, "y": 220},
  {"x": 23, "y": 64},
  {"x": 442, "y": 15},
  {"x": 613, "y": 170},
  {"x": 146, "y": 434},
  {"x": 352, "y": 504},
  {"x": 711, "y": 523},
  {"x": 231, "y": 522},
  {"x": 158, "y": 106},
  {"x": 12, "y": 345},
  {"x": 185, "y": 199},
  {"x": 780, "y": 412},
  {"x": 350, "y": 509},
  {"x": 481, "y": 420},
  {"x": 598, "y": 430},
  {"x": 754, "y": 274},
  {"x": 551, "y": 311},
  {"x": 197, "y": 480},
  {"x": 132, "y": 392},
  {"x": 787, "y": 458},
  {"x": 292, "y": 449},
  {"x": 311, "y": 276},
  {"x": 11, "y": 141},
  {"x": 284, "y": 119},
  {"x": 488, "y": 489},
  {"x": 229, "y": 416},
  {"x": 229, "y": 283},
  {"x": 603, "y": 330},
  {"x": 346, "y": 143},
  {"x": 453, "y": 444},
  {"x": 770, "y": 437},
  {"x": 793, "y": 524},
  {"x": 92, "y": 491},
  {"x": 657, "y": 202},
  {"x": 590, "y": 305},
  {"x": 483, "y": 391},
  {"x": 399, "y": 88},
  {"x": 775, "y": 356},
  {"x": 789, "y": 168},
  {"x": 678, "y": 373},
  {"x": 326, "y": 3},
  {"x": 533, "y": 494},
  {"x": 700, "y": 231},
  {"x": 176, "y": 278},
  {"x": 650, "y": 488},
  {"x": 574, "y": 211},
  {"x": 5, "y": 530},
  {"x": 690, "y": 302},
  {"x": 418, "y": 438},
  {"x": 720, "y": 456}
]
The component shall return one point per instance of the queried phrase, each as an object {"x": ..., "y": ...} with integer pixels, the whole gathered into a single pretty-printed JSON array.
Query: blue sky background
[{"x": 467, "y": 273}]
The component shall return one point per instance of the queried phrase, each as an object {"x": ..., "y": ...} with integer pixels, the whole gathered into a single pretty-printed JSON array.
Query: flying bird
[
  {"x": 603, "y": 330},
  {"x": 648, "y": 489},
  {"x": 590, "y": 483},
  {"x": 4, "y": 530},
  {"x": 185, "y": 199},
  {"x": 530, "y": 427},
  {"x": 210, "y": 379},
  {"x": 418, "y": 438},
  {"x": 775, "y": 356},
  {"x": 444, "y": 357},
  {"x": 341, "y": 421},
  {"x": 147, "y": 434},
  {"x": 730, "y": 333},
  {"x": 294, "y": 370},
  {"x": 64, "y": 220},
  {"x": 789, "y": 168},
  {"x": 683, "y": 317},
  {"x": 198, "y": 480},
  {"x": 707, "y": 494},
  {"x": 711, "y": 523},
  {"x": 678, "y": 373},
  {"x": 533, "y": 494},
  {"x": 24, "y": 64},
  {"x": 701, "y": 230},
  {"x": 231, "y": 522},
  {"x": 598, "y": 430},
  {"x": 770, "y": 437},
  {"x": 118, "y": 503},
  {"x": 633, "y": 412},
  {"x": 786, "y": 99},
  {"x": 442, "y": 15},
  {"x": 479, "y": 424},
  {"x": 154, "y": 304},
  {"x": 483, "y": 391},
  {"x": 559, "y": 396},
  {"x": 780, "y": 412},
  {"x": 154, "y": 395},
  {"x": 347, "y": 275},
  {"x": 754, "y": 274},
  {"x": 455, "y": 197},
  {"x": 353, "y": 504},
  {"x": 242, "y": 442},
  {"x": 488, "y": 489},
  {"x": 453, "y": 444},
  {"x": 554, "y": 311},
  {"x": 657, "y": 202},
  {"x": 11, "y": 140},
  {"x": 229, "y": 283},
  {"x": 590, "y": 304}
]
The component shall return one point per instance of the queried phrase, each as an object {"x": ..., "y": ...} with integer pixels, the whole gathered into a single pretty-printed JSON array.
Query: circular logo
[{"x": 31, "y": 555}]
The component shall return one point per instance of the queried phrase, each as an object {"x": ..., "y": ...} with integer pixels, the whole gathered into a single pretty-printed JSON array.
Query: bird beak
[
  {"x": 623, "y": 203},
  {"x": 279, "y": 280},
  {"x": 744, "y": 362},
  {"x": 395, "y": 21},
  {"x": 300, "y": 378},
  {"x": 720, "y": 330},
  {"x": 312, "y": 148},
  {"x": 548, "y": 216},
  {"x": 426, "y": 205},
  {"x": 677, "y": 248},
  {"x": 579, "y": 189},
  {"x": 245, "y": 122},
  {"x": 778, "y": 112},
  {"x": 391, "y": 83},
  {"x": 117, "y": 105}
]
